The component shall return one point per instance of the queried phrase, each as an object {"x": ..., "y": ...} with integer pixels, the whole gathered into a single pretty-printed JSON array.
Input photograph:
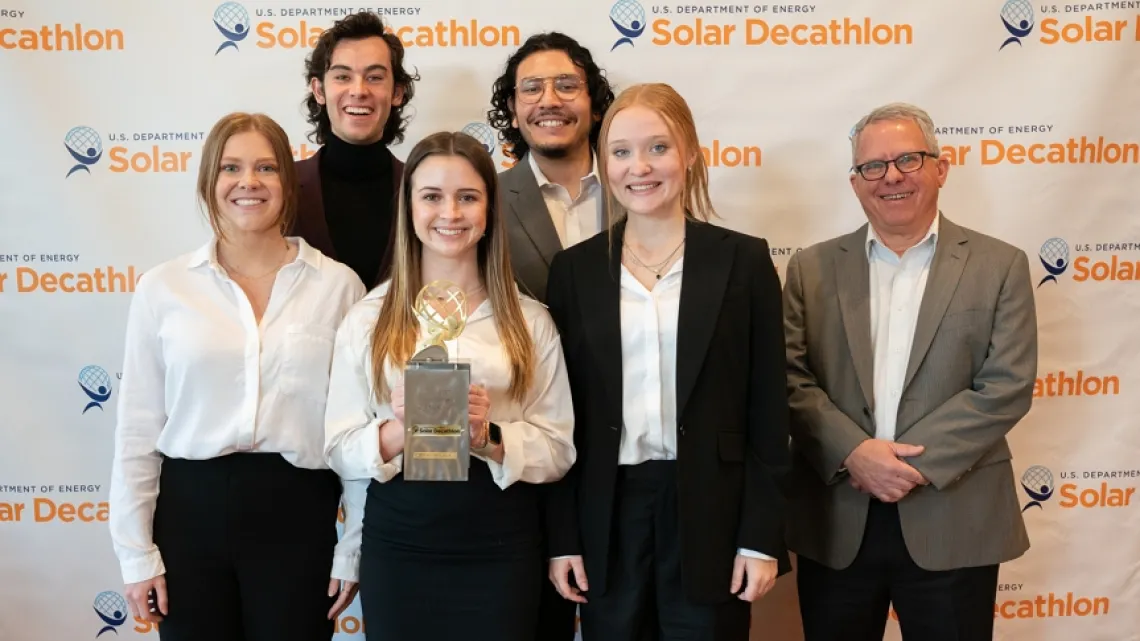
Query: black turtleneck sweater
[{"x": 358, "y": 196}]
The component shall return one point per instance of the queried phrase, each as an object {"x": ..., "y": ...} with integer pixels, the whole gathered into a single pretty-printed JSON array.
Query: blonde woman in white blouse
[
  {"x": 223, "y": 509},
  {"x": 451, "y": 560}
]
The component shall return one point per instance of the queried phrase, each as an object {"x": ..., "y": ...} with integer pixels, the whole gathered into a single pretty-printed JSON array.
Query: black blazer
[{"x": 732, "y": 407}]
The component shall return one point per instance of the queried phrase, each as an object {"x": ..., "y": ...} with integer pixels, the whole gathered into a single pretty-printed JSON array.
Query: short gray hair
[{"x": 897, "y": 111}]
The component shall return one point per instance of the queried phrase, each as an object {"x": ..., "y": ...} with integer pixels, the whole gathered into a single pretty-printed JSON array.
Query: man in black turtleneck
[{"x": 358, "y": 90}]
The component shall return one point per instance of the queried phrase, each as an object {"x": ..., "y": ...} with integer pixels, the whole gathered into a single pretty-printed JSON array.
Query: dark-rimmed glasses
[{"x": 907, "y": 163}]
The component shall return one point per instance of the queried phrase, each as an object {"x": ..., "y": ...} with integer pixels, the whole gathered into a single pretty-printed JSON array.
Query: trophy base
[{"x": 437, "y": 440}]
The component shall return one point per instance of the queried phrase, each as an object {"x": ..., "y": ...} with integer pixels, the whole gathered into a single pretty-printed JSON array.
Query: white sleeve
[
  {"x": 136, "y": 466},
  {"x": 540, "y": 447},
  {"x": 352, "y": 422},
  {"x": 346, "y": 558}
]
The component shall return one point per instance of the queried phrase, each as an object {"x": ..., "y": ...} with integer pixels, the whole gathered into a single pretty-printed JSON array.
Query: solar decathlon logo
[
  {"x": 112, "y": 610},
  {"x": 1054, "y": 256},
  {"x": 85, "y": 146},
  {"x": 1017, "y": 16},
  {"x": 1038, "y": 484},
  {"x": 628, "y": 17},
  {"x": 233, "y": 21},
  {"x": 96, "y": 384},
  {"x": 483, "y": 133}
]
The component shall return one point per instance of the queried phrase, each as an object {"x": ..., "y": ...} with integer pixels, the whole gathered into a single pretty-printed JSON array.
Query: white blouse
[
  {"x": 202, "y": 379},
  {"x": 538, "y": 434}
]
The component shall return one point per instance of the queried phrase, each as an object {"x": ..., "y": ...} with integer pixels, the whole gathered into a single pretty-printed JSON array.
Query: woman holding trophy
[
  {"x": 671, "y": 521},
  {"x": 451, "y": 545}
]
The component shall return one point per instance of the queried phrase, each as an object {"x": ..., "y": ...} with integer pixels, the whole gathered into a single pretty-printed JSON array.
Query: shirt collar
[
  {"x": 873, "y": 236},
  {"x": 208, "y": 254},
  {"x": 543, "y": 181}
]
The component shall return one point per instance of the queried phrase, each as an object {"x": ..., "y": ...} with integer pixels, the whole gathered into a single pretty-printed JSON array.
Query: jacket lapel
[
  {"x": 704, "y": 277},
  {"x": 853, "y": 282},
  {"x": 529, "y": 209},
  {"x": 946, "y": 269},
  {"x": 601, "y": 291},
  {"x": 310, "y": 223}
]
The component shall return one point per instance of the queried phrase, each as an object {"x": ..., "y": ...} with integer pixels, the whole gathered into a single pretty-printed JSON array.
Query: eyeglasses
[
  {"x": 566, "y": 87},
  {"x": 906, "y": 163}
]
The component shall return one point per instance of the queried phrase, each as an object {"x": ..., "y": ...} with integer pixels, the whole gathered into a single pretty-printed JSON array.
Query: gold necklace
[
  {"x": 230, "y": 268},
  {"x": 658, "y": 267}
]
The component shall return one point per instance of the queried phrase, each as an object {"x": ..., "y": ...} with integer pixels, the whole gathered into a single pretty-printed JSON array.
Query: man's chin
[{"x": 555, "y": 152}]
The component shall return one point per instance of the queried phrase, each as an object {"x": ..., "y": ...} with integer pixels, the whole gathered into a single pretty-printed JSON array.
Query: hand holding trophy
[{"x": 437, "y": 440}]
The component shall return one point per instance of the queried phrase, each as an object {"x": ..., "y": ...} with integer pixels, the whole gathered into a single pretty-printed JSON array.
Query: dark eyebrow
[{"x": 376, "y": 67}]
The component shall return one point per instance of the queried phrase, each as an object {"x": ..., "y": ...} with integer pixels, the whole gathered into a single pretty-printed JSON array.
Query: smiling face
[
  {"x": 898, "y": 203},
  {"x": 645, "y": 169},
  {"x": 449, "y": 206},
  {"x": 359, "y": 90},
  {"x": 248, "y": 190},
  {"x": 553, "y": 126}
]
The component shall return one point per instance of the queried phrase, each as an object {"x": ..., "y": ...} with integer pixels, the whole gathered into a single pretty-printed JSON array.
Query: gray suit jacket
[
  {"x": 533, "y": 239},
  {"x": 969, "y": 381}
]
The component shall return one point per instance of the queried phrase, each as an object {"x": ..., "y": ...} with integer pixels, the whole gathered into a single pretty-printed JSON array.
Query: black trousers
[
  {"x": 852, "y": 604},
  {"x": 644, "y": 599},
  {"x": 247, "y": 540}
]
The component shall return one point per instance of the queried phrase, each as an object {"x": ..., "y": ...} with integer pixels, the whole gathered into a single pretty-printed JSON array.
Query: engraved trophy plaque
[{"x": 437, "y": 443}]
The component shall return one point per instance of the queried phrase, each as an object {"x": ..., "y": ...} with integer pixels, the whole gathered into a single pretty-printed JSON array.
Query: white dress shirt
[
  {"x": 897, "y": 287},
  {"x": 202, "y": 378},
  {"x": 649, "y": 370},
  {"x": 538, "y": 434},
  {"x": 574, "y": 219}
]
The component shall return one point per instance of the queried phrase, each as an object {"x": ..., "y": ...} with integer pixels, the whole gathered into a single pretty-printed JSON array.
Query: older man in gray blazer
[{"x": 912, "y": 351}]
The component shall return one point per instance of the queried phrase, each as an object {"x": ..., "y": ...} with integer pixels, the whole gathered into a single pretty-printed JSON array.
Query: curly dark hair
[
  {"x": 601, "y": 93},
  {"x": 357, "y": 27}
]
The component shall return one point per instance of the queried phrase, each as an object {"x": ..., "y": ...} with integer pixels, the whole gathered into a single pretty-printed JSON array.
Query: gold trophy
[{"x": 437, "y": 440}]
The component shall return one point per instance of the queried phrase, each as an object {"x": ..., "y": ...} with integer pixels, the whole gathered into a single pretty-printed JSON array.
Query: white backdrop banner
[{"x": 105, "y": 105}]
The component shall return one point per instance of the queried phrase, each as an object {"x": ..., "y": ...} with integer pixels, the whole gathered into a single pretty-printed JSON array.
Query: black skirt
[{"x": 451, "y": 560}]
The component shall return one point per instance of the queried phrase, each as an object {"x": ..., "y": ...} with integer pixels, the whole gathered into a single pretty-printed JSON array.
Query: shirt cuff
[
  {"x": 510, "y": 470},
  {"x": 754, "y": 554},
  {"x": 145, "y": 567},
  {"x": 346, "y": 567},
  {"x": 568, "y": 556}
]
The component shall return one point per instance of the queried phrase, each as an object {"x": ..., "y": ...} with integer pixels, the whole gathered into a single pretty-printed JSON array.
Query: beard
[{"x": 554, "y": 152}]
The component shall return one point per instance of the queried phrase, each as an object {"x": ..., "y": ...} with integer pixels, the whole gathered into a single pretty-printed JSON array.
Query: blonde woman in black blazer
[{"x": 672, "y": 520}]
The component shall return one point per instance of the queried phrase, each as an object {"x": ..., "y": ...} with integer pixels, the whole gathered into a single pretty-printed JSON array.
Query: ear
[
  {"x": 514, "y": 118},
  {"x": 318, "y": 90},
  {"x": 398, "y": 95},
  {"x": 943, "y": 169}
]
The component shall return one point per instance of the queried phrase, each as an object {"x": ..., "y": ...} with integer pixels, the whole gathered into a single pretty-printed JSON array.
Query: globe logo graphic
[
  {"x": 112, "y": 609},
  {"x": 233, "y": 21},
  {"x": 483, "y": 133},
  {"x": 1017, "y": 16},
  {"x": 85, "y": 146},
  {"x": 96, "y": 384},
  {"x": 629, "y": 19},
  {"x": 1037, "y": 482},
  {"x": 1054, "y": 257}
]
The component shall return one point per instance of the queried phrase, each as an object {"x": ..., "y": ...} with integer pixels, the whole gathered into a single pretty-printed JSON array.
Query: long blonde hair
[
  {"x": 663, "y": 100},
  {"x": 397, "y": 328}
]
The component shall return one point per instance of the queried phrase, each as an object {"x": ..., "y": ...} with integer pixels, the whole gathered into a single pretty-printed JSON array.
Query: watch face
[{"x": 494, "y": 434}]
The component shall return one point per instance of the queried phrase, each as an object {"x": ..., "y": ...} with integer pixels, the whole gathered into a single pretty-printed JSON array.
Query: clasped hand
[{"x": 876, "y": 467}]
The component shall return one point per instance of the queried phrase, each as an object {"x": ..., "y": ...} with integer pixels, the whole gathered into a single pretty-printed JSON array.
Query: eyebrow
[
  {"x": 376, "y": 67},
  {"x": 653, "y": 138},
  {"x": 233, "y": 159},
  {"x": 462, "y": 190}
]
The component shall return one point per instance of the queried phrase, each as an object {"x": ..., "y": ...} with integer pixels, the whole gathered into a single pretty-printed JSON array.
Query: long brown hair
[
  {"x": 394, "y": 336},
  {"x": 663, "y": 100},
  {"x": 211, "y": 165}
]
